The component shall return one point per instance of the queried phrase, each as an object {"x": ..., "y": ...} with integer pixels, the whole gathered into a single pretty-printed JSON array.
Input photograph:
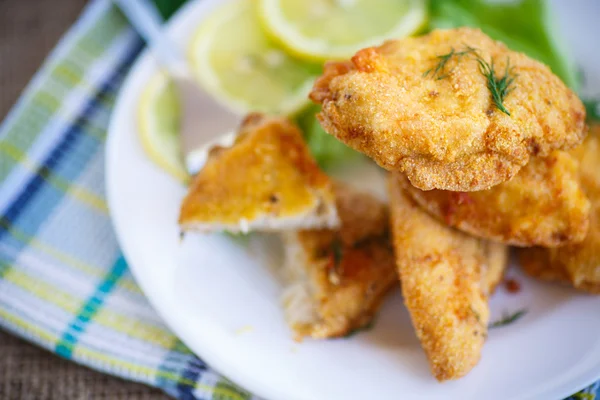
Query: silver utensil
[{"x": 204, "y": 121}]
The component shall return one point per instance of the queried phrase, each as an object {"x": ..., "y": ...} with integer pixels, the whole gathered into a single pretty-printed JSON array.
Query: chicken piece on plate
[
  {"x": 447, "y": 277},
  {"x": 543, "y": 205},
  {"x": 337, "y": 279},
  {"x": 267, "y": 180},
  {"x": 579, "y": 263},
  {"x": 453, "y": 109}
]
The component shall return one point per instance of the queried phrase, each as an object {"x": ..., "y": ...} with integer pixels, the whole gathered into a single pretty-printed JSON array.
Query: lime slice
[
  {"x": 234, "y": 59},
  {"x": 158, "y": 126},
  {"x": 335, "y": 29}
]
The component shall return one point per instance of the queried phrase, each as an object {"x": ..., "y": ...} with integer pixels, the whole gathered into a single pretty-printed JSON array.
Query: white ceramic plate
[{"x": 223, "y": 299}]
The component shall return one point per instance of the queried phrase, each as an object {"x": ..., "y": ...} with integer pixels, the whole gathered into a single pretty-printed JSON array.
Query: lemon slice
[
  {"x": 335, "y": 29},
  {"x": 238, "y": 63},
  {"x": 158, "y": 126}
]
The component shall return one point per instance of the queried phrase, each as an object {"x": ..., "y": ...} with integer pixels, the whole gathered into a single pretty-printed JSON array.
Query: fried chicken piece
[
  {"x": 536, "y": 262},
  {"x": 422, "y": 106},
  {"x": 267, "y": 180},
  {"x": 578, "y": 264},
  {"x": 337, "y": 279},
  {"x": 543, "y": 205},
  {"x": 446, "y": 278}
]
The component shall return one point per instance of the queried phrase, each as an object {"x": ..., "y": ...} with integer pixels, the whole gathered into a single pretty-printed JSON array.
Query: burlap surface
[{"x": 29, "y": 29}]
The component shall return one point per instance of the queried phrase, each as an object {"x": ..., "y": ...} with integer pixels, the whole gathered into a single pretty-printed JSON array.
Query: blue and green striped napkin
[
  {"x": 63, "y": 281},
  {"x": 64, "y": 284}
]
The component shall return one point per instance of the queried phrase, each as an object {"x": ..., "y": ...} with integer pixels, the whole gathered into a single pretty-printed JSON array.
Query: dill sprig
[
  {"x": 507, "y": 319},
  {"x": 438, "y": 71},
  {"x": 476, "y": 314},
  {"x": 498, "y": 87}
]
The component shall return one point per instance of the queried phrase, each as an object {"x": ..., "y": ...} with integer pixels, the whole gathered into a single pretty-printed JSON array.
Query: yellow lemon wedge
[
  {"x": 239, "y": 64},
  {"x": 319, "y": 30},
  {"x": 158, "y": 126}
]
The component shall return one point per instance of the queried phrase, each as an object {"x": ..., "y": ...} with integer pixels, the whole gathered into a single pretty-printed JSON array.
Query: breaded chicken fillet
[
  {"x": 543, "y": 205},
  {"x": 577, "y": 263},
  {"x": 446, "y": 278},
  {"x": 267, "y": 180},
  {"x": 337, "y": 279},
  {"x": 436, "y": 107}
]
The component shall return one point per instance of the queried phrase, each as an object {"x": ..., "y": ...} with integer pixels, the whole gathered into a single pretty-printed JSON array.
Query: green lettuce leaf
[
  {"x": 326, "y": 149},
  {"x": 593, "y": 110},
  {"x": 527, "y": 26}
]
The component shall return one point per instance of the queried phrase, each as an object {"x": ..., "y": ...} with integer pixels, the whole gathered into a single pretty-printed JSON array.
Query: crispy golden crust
[
  {"x": 447, "y": 133},
  {"x": 338, "y": 279},
  {"x": 446, "y": 279},
  {"x": 265, "y": 180},
  {"x": 543, "y": 205},
  {"x": 541, "y": 264},
  {"x": 577, "y": 263},
  {"x": 493, "y": 271}
]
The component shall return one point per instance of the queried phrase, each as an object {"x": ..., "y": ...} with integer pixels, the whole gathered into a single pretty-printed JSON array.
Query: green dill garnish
[
  {"x": 438, "y": 71},
  {"x": 507, "y": 319},
  {"x": 498, "y": 87},
  {"x": 476, "y": 314},
  {"x": 583, "y": 396}
]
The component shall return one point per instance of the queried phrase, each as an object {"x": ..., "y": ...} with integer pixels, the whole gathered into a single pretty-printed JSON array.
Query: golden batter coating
[
  {"x": 543, "y": 205},
  {"x": 337, "y": 279},
  {"x": 267, "y": 180},
  {"x": 446, "y": 278},
  {"x": 577, "y": 263},
  {"x": 441, "y": 127}
]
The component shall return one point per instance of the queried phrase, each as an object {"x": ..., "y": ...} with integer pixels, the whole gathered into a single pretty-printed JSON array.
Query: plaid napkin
[
  {"x": 64, "y": 284},
  {"x": 63, "y": 281}
]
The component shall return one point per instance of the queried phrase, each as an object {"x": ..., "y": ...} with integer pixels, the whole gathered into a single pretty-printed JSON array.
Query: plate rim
[{"x": 186, "y": 15}]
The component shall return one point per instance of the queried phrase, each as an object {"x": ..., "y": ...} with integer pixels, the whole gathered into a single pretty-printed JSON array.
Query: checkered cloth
[{"x": 63, "y": 281}]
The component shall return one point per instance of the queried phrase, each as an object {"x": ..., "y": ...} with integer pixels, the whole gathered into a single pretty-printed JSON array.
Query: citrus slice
[
  {"x": 335, "y": 29},
  {"x": 237, "y": 62},
  {"x": 158, "y": 125}
]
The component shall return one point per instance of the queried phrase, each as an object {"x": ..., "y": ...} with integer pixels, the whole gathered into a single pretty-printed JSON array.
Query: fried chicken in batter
[
  {"x": 543, "y": 205},
  {"x": 337, "y": 279},
  {"x": 424, "y": 106},
  {"x": 446, "y": 278},
  {"x": 577, "y": 263},
  {"x": 267, "y": 180}
]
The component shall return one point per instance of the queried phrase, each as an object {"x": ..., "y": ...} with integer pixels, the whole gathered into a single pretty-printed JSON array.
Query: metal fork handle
[{"x": 147, "y": 21}]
